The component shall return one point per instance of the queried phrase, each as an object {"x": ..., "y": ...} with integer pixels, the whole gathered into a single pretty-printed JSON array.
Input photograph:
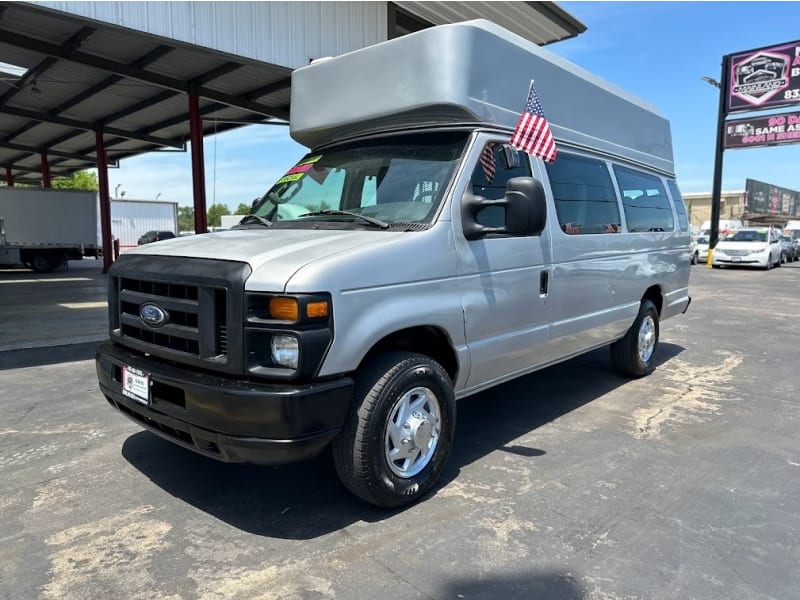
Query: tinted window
[
  {"x": 644, "y": 201},
  {"x": 489, "y": 181},
  {"x": 748, "y": 235},
  {"x": 680, "y": 207},
  {"x": 584, "y": 195}
]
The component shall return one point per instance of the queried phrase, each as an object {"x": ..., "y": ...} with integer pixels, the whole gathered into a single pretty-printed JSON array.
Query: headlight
[
  {"x": 285, "y": 351},
  {"x": 286, "y": 336}
]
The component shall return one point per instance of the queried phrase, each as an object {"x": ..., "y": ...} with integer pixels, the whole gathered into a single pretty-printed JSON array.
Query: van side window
[
  {"x": 584, "y": 195},
  {"x": 680, "y": 207},
  {"x": 644, "y": 201},
  {"x": 489, "y": 181}
]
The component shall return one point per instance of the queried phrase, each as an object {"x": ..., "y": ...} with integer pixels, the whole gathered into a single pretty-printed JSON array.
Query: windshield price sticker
[{"x": 136, "y": 385}]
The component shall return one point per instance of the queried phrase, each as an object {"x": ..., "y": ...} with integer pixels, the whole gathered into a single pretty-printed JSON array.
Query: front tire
[
  {"x": 634, "y": 355},
  {"x": 399, "y": 432}
]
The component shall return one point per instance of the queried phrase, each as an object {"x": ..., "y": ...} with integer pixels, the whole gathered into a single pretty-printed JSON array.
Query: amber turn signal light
[
  {"x": 315, "y": 310},
  {"x": 284, "y": 309}
]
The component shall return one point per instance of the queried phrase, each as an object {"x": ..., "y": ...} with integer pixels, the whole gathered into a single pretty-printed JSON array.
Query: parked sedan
[
  {"x": 155, "y": 236},
  {"x": 749, "y": 247},
  {"x": 700, "y": 254},
  {"x": 789, "y": 249}
]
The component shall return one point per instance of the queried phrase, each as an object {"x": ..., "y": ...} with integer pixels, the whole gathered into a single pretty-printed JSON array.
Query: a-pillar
[
  {"x": 198, "y": 170},
  {"x": 9, "y": 177},
  {"x": 105, "y": 201},
  {"x": 45, "y": 170}
]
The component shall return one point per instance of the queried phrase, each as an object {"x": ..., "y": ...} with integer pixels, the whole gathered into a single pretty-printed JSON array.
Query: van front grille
[{"x": 184, "y": 310}]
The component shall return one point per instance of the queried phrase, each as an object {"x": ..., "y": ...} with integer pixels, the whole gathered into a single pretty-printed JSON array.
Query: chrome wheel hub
[
  {"x": 412, "y": 432},
  {"x": 647, "y": 339}
]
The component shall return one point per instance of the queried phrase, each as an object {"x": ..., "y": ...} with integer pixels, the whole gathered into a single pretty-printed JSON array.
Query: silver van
[{"x": 412, "y": 258}]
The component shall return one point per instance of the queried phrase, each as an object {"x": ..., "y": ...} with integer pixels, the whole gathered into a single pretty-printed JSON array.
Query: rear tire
[
  {"x": 42, "y": 263},
  {"x": 399, "y": 432},
  {"x": 634, "y": 355}
]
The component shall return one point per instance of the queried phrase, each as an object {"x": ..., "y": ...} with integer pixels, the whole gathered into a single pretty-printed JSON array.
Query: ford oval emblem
[{"x": 153, "y": 315}]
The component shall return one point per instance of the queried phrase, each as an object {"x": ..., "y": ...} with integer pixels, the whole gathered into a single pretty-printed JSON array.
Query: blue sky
[{"x": 658, "y": 51}]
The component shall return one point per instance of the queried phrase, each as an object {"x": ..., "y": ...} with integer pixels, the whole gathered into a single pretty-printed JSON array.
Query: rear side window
[
  {"x": 680, "y": 207},
  {"x": 584, "y": 195},
  {"x": 644, "y": 200}
]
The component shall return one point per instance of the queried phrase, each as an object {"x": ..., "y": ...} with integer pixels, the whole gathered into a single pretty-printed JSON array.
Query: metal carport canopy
[{"x": 84, "y": 76}]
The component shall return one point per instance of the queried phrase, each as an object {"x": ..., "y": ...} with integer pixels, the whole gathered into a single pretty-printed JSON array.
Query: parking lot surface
[{"x": 569, "y": 483}]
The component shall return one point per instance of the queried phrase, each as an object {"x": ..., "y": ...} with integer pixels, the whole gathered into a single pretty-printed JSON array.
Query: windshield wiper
[
  {"x": 255, "y": 218},
  {"x": 370, "y": 220}
]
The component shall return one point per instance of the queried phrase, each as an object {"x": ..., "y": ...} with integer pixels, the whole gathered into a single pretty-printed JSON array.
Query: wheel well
[
  {"x": 654, "y": 294},
  {"x": 428, "y": 340}
]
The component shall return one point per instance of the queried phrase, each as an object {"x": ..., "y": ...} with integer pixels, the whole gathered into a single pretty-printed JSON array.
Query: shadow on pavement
[
  {"x": 37, "y": 357},
  {"x": 306, "y": 500},
  {"x": 546, "y": 585}
]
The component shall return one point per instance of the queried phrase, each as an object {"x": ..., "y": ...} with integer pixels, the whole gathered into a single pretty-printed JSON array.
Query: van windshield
[{"x": 389, "y": 182}]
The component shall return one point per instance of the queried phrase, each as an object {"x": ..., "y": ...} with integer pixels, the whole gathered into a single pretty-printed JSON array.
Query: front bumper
[
  {"x": 226, "y": 418},
  {"x": 753, "y": 260}
]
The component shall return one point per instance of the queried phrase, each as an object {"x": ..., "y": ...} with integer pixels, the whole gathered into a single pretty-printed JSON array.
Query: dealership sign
[
  {"x": 764, "y": 78},
  {"x": 763, "y": 131},
  {"x": 767, "y": 199}
]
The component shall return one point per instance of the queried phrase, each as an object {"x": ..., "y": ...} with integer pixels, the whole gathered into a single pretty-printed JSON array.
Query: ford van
[{"x": 410, "y": 259}]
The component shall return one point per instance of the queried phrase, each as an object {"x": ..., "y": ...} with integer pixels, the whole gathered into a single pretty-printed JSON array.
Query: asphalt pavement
[{"x": 569, "y": 483}]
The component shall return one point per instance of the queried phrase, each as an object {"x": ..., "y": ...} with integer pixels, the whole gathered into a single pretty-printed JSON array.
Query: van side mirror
[{"x": 525, "y": 210}]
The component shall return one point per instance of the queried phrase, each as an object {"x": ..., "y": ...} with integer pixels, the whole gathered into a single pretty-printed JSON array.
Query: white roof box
[{"x": 471, "y": 72}]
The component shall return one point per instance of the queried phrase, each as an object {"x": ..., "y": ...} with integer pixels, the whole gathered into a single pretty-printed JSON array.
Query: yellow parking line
[
  {"x": 53, "y": 280},
  {"x": 84, "y": 304}
]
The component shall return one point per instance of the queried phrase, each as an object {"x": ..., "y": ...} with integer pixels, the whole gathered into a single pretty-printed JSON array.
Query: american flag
[
  {"x": 488, "y": 162},
  {"x": 532, "y": 134}
]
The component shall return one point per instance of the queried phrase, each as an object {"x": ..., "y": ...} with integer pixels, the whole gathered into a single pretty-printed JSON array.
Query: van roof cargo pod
[{"x": 474, "y": 72}]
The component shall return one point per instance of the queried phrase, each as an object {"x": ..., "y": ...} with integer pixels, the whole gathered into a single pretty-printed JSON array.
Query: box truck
[
  {"x": 43, "y": 228},
  {"x": 131, "y": 219},
  {"x": 412, "y": 258}
]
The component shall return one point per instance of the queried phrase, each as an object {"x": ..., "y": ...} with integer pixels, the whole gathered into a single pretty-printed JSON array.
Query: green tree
[
  {"x": 242, "y": 209},
  {"x": 80, "y": 180},
  {"x": 215, "y": 211},
  {"x": 185, "y": 218}
]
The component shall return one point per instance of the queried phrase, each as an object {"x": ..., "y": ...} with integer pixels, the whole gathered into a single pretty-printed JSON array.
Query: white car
[
  {"x": 700, "y": 250},
  {"x": 753, "y": 247}
]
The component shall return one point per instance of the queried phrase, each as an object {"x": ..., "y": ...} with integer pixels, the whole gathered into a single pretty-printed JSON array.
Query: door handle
[{"x": 544, "y": 280}]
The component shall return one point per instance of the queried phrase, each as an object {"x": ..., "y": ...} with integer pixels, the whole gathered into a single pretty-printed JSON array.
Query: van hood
[{"x": 275, "y": 254}]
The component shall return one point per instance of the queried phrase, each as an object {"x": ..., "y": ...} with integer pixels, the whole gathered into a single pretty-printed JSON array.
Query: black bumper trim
[{"x": 225, "y": 418}]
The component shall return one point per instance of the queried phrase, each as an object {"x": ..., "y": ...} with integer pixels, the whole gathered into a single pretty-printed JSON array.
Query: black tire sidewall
[
  {"x": 647, "y": 308},
  {"x": 417, "y": 371}
]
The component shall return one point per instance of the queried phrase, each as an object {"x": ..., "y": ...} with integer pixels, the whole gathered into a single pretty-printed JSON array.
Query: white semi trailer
[
  {"x": 42, "y": 229},
  {"x": 131, "y": 219}
]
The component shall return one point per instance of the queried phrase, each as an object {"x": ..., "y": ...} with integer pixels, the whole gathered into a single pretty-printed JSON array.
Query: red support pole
[
  {"x": 45, "y": 171},
  {"x": 9, "y": 177},
  {"x": 105, "y": 201},
  {"x": 198, "y": 169}
]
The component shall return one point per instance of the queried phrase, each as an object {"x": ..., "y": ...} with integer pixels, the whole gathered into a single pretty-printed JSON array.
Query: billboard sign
[
  {"x": 763, "y": 131},
  {"x": 767, "y": 199},
  {"x": 764, "y": 78}
]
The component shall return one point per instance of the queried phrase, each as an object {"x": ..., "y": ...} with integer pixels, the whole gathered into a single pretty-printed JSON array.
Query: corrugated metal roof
[
  {"x": 540, "y": 22},
  {"x": 90, "y": 75}
]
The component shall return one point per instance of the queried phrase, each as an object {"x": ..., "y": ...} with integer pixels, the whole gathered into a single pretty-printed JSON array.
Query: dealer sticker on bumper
[{"x": 136, "y": 385}]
